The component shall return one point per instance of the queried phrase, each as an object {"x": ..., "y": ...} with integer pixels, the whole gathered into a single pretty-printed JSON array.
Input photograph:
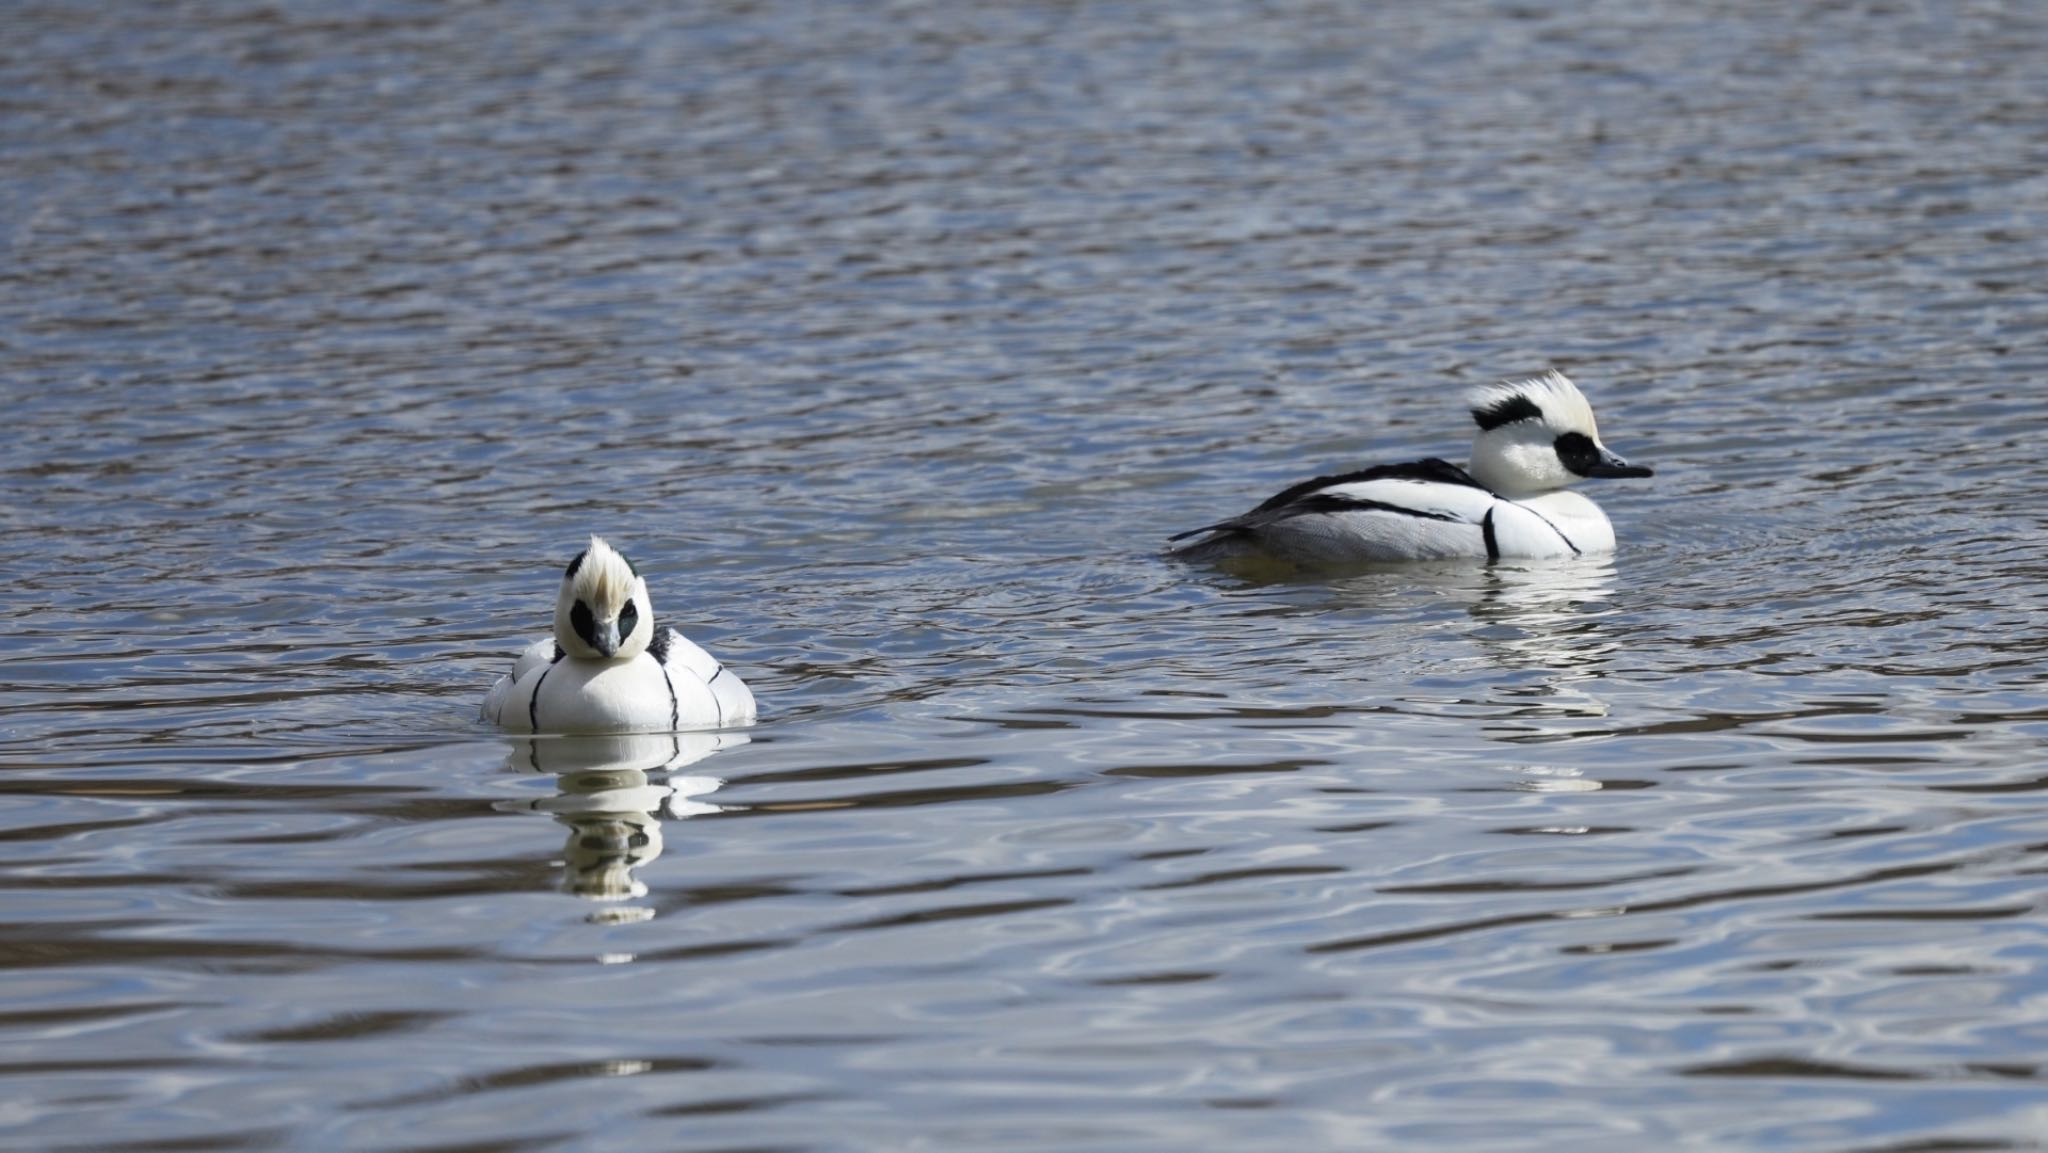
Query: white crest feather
[
  {"x": 1557, "y": 401},
  {"x": 605, "y": 579}
]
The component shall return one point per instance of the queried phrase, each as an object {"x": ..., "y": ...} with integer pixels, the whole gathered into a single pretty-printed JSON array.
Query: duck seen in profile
[
  {"x": 609, "y": 668},
  {"x": 1536, "y": 438}
]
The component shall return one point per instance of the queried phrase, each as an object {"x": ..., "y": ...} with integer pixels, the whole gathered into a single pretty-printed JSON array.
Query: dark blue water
[{"x": 891, "y": 341}]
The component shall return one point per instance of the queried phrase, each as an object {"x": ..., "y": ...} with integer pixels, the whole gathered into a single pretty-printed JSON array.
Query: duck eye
[
  {"x": 629, "y": 619},
  {"x": 1576, "y": 451},
  {"x": 584, "y": 623}
]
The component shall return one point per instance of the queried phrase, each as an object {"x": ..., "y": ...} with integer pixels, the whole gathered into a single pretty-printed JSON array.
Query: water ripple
[{"x": 893, "y": 345}]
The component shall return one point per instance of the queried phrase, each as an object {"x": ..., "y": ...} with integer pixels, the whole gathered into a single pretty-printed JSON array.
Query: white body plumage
[
  {"x": 1536, "y": 437},
  {"x": 684, "y": 688},
  {"x": 609, "y": 669}
]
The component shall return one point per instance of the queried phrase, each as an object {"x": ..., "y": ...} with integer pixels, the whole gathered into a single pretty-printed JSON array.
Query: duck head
[
  {"x": 1537, "y": 435},
  {"x": 602, "y": 612}
]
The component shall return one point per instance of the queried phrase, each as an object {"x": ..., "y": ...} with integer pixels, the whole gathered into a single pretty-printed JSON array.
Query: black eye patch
[
  {"x": 1578, "y": 453},
  {"x": 584, "y": 623},
  {"x": 629, "y": 618}
]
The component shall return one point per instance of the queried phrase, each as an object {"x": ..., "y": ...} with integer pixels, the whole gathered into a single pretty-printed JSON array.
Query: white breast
[
  {"x": 1554, "y": 524},
  {"x": 689, "y": 689}
]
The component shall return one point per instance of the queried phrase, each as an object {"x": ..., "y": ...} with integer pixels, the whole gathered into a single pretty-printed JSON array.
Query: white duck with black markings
[
  {"x": 1536, "y": 437},
  {"x": 609, "y": 668}
]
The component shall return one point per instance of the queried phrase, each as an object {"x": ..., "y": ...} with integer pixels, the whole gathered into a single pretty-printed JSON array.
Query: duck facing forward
[
  {"x": 1536, "y": 437},
  {"x": 609, "y": 668}
]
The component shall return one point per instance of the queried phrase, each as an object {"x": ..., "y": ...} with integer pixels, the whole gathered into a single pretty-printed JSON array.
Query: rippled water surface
[{"x": 891, "y": 340}]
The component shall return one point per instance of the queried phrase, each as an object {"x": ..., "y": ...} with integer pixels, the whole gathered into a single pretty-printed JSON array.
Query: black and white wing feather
[{"x": 1417, "y": 510}]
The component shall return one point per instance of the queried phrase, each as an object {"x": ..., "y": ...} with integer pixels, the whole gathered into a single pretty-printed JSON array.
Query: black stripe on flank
[
  {"x": 1309, "y": 497},
  {"x": 1506, "y": 410},
  {"x": 533, "y": 702},
  {"x": 658, "y": 648},
  {"x": 1430, "y": 469},
  {"x": 1492, "y": 542},
  {"x": 1327, "y": 504}
]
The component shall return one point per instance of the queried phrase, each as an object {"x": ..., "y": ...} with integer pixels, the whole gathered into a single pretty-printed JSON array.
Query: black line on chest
[
  {"x": 1553, "y": 528},
  {"x": 658, "y": 648},
  {"x": 533, "y": 702}
]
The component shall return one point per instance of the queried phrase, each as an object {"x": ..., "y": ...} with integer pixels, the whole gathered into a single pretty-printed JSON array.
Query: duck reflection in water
[
  {"x": 1534, "y": 615},
  {"x": 1544, "y": 628},
  {"x": 613, "y": 793},
  {"x": 1547, "y": 616}
]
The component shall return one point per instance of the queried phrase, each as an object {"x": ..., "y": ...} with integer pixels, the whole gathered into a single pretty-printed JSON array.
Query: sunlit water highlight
[{"x": 892, "y": 342}]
